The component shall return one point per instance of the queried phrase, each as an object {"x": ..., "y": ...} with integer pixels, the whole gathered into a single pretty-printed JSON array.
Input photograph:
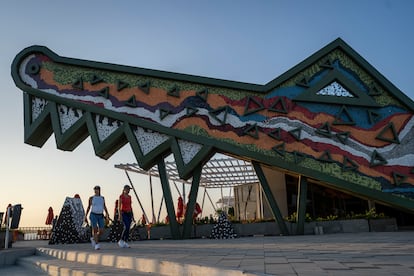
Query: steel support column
[
  {"x": 136, "y": 195},
  {"x": 175, "y": 231},
  {"x": 211, "y": 202},
  {"x": 270, "y": 198},
  {"x": 188, "y": 221},
  {"x": 301, "y": 205}
]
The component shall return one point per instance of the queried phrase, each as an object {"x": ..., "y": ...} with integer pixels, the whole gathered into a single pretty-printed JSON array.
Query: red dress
[{"x": 180, "y": 207}]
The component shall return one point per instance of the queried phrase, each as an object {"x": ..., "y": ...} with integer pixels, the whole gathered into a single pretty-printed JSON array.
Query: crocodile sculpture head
[{"x": 332, "y": 118}]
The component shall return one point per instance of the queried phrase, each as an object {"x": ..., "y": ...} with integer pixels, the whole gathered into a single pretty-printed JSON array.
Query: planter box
[
  {"x": 272, "y": 228},
  {"x": 260, "y": 228},
  {"x": 383, "y": 225},
  {"x": 249, "y": 229},
  {"x": 164, "y": 232},
  {"x": 343, "y": 226},
  {"x": 309, "y": 228},
  {"x": 143, "y": 232},
  {"x": 202, "y": 230},
  {"x": 354, "y": 225},
  {"x": 160, "y": 232},
  {"x": 331, "y": 227}
]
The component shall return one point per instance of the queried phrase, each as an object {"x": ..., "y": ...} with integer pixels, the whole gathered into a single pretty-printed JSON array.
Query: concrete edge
[
  {"x": 48, "y": 265},
  {"x": 32, "y": 263},
  {"x": 11, "y": 255},
  {"x": 145, "y": 265}
]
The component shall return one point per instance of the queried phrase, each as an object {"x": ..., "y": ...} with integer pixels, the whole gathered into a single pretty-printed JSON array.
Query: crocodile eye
[{"x": 34, "y": 69}]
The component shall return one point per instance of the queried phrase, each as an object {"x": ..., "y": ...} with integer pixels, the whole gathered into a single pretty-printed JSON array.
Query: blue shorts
[{"x": 97, "y": 220}]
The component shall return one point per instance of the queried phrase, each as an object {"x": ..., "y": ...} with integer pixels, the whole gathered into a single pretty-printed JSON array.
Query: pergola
[
  {"x": 216, "y": 173},
  {"x": 226, "y": 172}
]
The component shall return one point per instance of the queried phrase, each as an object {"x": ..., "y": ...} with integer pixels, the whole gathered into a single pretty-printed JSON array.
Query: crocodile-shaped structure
[{"x": 333, "y": 118}]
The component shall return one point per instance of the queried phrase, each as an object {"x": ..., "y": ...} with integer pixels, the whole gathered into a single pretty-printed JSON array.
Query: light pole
[{"x": 6, "y": 240}]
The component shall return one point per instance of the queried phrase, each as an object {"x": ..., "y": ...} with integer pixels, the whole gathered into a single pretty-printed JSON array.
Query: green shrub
[{"x": 292, "y": 217}]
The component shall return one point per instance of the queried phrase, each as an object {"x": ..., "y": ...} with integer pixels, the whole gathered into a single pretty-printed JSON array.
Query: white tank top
[{"x": 97, "y": 204}]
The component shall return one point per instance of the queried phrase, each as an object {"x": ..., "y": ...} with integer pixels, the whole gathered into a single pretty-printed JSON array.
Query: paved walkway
[{"x": 386, "y": 253}]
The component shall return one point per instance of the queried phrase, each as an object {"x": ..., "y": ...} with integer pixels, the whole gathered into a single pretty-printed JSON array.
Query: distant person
[
  {"x": 97, "y": 206},
  {"x": 197, "y": 209},
  {"x": 180, "y": 209},
  {"x": 55, "y": 219},
  {"x": 126, "y": 215}
]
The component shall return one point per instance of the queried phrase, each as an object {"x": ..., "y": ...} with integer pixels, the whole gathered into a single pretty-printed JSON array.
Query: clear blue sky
[{"x": 248, "y": 41}]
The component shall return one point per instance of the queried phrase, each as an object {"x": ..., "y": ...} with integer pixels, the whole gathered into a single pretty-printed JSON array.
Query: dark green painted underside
[{"x": 37, "y": 132}]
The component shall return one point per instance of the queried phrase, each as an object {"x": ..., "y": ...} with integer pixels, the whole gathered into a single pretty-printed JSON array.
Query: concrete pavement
[{"x": 384, "y": 253}]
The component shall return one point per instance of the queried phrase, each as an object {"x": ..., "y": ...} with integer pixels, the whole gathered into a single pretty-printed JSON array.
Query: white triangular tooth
[
  {"x": 38, "y": 105},
  {"x": 68, "y": 116},
  {"x": 105, "y": 127},
  {"x": 335, "y": 89},
  {"x": 149, "y": 140},
  {"x": 188, "y": 150}
]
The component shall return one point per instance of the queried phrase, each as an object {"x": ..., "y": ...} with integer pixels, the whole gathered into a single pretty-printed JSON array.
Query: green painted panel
[{"x": 159, "y": 113}]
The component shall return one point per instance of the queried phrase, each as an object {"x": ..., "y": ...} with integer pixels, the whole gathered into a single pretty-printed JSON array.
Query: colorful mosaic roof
[{"x": 332, "y": 117}]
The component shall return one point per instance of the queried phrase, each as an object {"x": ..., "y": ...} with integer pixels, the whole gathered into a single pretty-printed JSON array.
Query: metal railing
[{"x": 34, "y": 233}]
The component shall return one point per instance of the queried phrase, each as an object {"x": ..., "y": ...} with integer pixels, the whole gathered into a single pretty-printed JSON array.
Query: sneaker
[
  {"x": 126, "y": 245},
  {"x": 93, "y": 242},
  {"x": 121, "y": 243},
  {"x": 97, "y": 246}
]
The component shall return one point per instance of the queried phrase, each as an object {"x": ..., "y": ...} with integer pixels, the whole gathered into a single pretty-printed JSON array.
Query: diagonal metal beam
[
  {"x": 191, "y": 203},
  {"x": 301, "y": 205},
  {"x": 211, "y": 201},
  {"x": 175, "y": 231},
  {"x": 136, "y": 195},
  {"x": 270, "y": 198}
]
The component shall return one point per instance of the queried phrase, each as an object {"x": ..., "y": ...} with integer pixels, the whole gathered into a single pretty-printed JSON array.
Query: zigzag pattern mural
[{"x": 332, "y": 117}]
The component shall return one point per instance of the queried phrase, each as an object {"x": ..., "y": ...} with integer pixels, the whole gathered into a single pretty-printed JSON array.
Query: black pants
[{"x": 126, "y": 219}]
